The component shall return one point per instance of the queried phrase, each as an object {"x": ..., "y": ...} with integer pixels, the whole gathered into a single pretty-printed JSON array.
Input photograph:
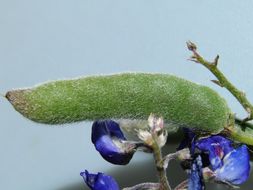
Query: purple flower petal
[
  {"x": 224, "y": 143},
  {"x": 236, "y": 166},
  {"x": 111, "y": 143},
  {"x": 217, "y": 147},
  {"x": 99, "y": 181}
]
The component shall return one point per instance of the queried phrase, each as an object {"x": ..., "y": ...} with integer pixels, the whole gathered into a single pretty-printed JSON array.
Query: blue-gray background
[{"x": 56, "y": 39}]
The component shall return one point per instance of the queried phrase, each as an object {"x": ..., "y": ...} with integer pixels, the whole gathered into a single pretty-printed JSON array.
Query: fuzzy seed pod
[{"x": 123, "y": 96}]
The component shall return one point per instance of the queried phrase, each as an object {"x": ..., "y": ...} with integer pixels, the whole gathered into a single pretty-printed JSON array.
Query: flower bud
[{"x": 99, "y": 181}]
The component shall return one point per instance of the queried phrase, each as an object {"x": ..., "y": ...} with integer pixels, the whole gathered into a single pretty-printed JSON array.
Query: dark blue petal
[
  {"x": 106, "y": 127},
  {"x": 99, "y": 181},
  {"x": 236, "y": 166},
  {"x": 195, "y": 181},
  {"x": 108, "y": 140},
  {"x": 217, "y": 147}
]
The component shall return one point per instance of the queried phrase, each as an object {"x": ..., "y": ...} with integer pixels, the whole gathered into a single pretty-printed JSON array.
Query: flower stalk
[
  {"x": 182, "y": 186},
  {"x": 150, "y": 186},
  {"x": 161, "y": 170},
  {"x": 222, "y": 80},
  {"x": 155, "y": 136},
  {"x": 181, "y": 155}
]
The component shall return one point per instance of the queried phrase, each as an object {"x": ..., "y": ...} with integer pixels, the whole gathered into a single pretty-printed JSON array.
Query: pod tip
[
  {"x": 7, "y": 95},
  {"x": 10, "y": 96},
  {"x": 15, "y": 97}
]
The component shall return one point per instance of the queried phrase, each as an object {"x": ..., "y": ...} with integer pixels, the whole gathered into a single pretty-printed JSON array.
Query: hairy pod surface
[{"x": 123, "y": 96}]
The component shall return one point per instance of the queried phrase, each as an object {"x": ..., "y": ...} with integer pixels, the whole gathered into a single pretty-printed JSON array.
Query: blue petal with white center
[
  {"x": 236, "y": 166},
  {"x": 110, "y": 142},
  {"x": 99, "y": 181}
]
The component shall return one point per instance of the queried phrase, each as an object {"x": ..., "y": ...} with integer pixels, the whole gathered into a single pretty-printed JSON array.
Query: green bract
[{"x": 124, "y": 96}]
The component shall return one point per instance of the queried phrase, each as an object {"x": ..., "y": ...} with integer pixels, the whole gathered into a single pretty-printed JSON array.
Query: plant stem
[
  {"x": 241, "y": 133},
  {"x": 150, "y": 186},
  {"x": 182, "y": 186},
  {"x": 161, "y": 171},
  {"x": 244, "y": 125},
  {"x": 180, "y": 155},
  {"x": 222, "y": 80}
]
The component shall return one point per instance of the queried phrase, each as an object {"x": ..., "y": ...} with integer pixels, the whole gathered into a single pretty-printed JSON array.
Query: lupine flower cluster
[{"x": 214, "y": 158}]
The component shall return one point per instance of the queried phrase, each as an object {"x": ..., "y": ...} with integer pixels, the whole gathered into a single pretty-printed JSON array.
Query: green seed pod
[{"x": 124, "y": 96}]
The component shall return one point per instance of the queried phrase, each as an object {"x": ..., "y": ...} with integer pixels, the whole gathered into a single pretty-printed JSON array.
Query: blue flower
[
  {"x": 217, "y": 147},
  {"x": 99, "y": 181},
  {"x": 195, "y": 181},
  {"x": 236, "y": 166},
  {"x": 111, "y": 143},
  {"x": 229, "y": 165}
]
